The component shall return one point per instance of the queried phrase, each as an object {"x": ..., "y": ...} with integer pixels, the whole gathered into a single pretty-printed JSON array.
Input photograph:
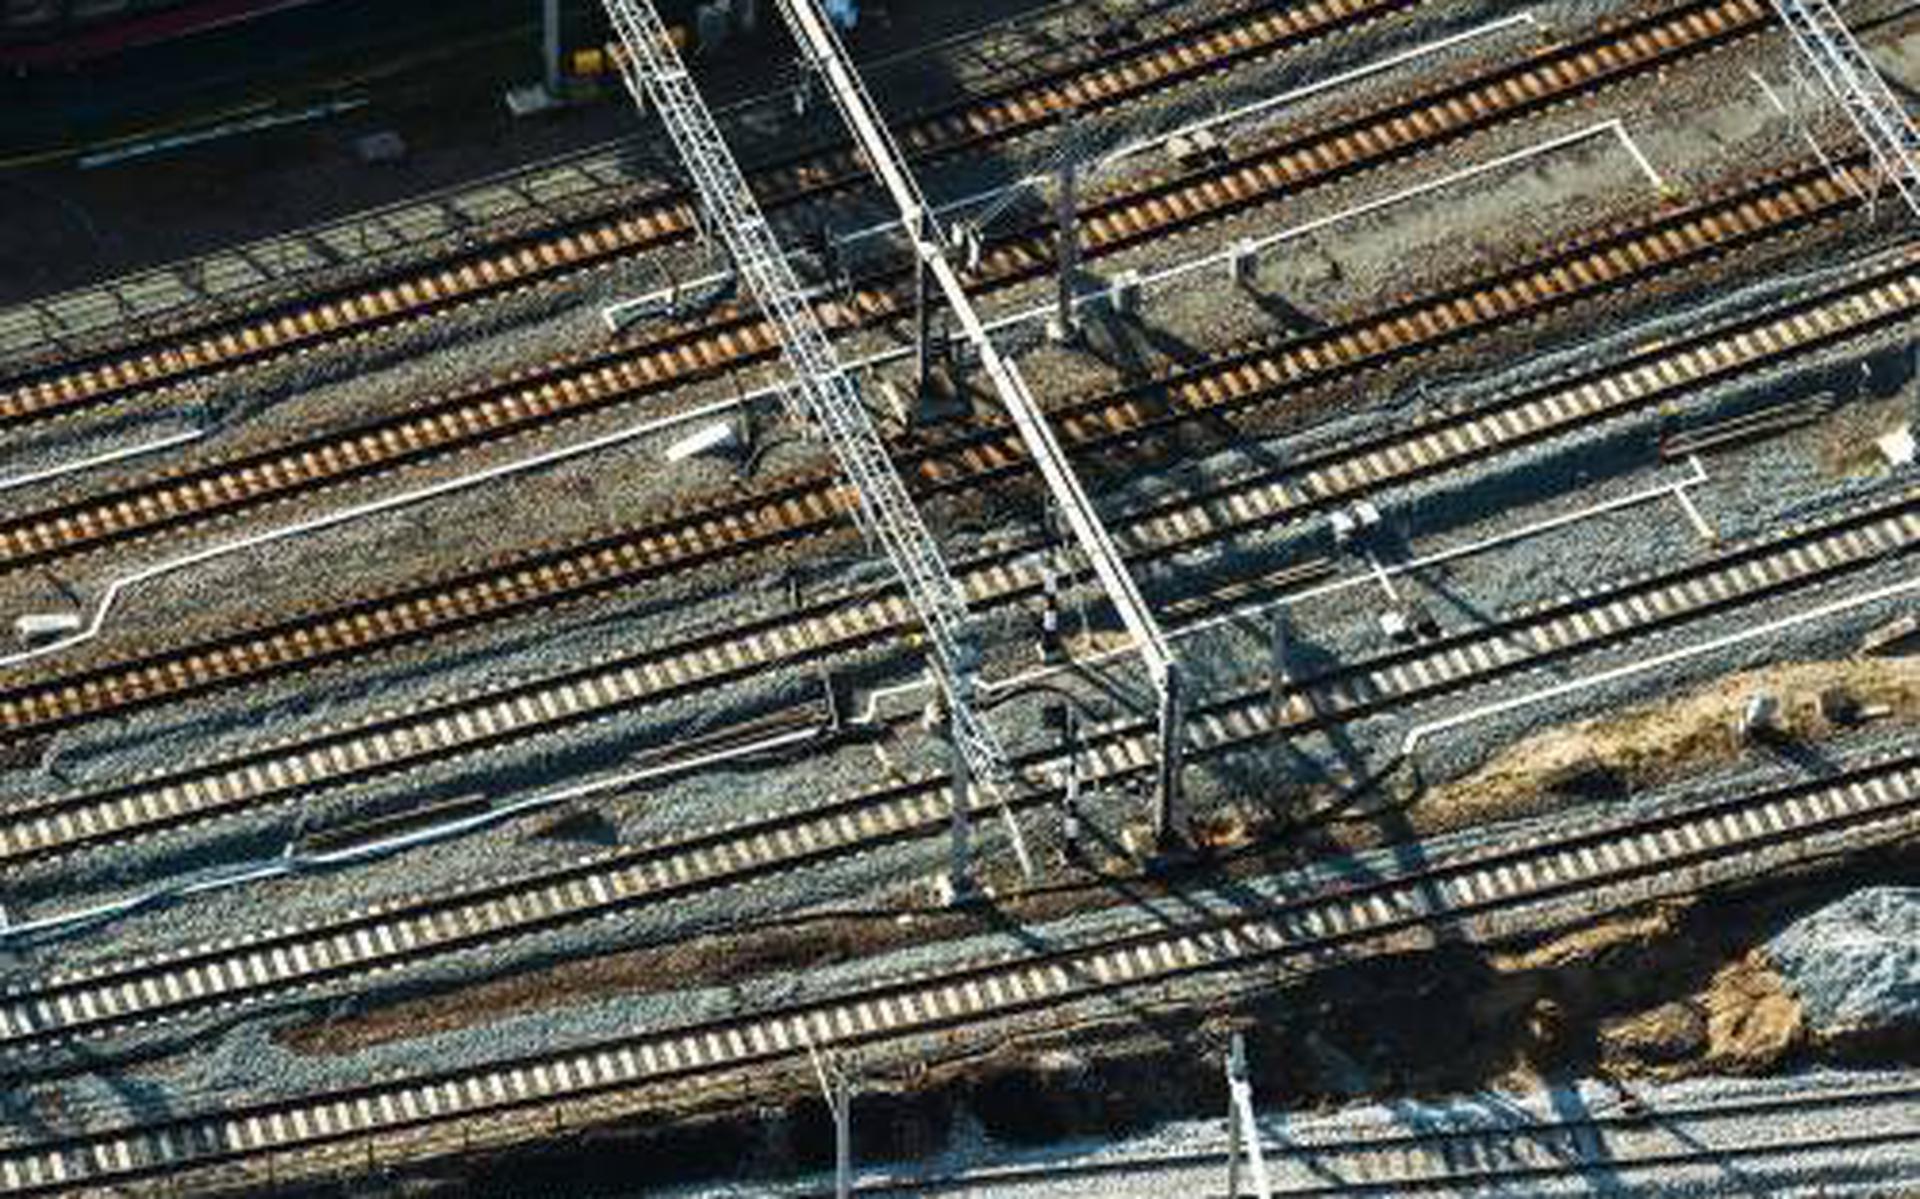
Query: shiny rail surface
[
  {"x": 735, "y": 336},
  {"x": 1700, "y": 233},
  {"x": 422, "y": 1114},
  {"x": 247, "y": 968}
]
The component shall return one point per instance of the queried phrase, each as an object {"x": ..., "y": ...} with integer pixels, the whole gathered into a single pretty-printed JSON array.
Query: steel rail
[
  {"x": 1037, "y": 441},
  {"x": 1700, "y": 233},
  {"x": 284, "y": 960},
  {"x": 825, "y": 399},
  {"x": 76, "y": 311},
  {"x": 1881, "y": 296},
  {"x": 1480, "y": 1153},
  {"x": 438, "y": 1112},
  {"x": 735, "y": 338},
  {"x": 355, "y": 310}
]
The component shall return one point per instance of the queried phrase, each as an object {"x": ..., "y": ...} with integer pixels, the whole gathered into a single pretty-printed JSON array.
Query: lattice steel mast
[
  {"x": 1849, "y": 74},
  {"x": 829, "y": 400},
  {"x": 816, "y": 36}
]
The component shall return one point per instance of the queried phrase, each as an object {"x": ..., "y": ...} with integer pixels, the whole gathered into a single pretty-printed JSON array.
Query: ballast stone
[{"x": 1856, "y": 963}]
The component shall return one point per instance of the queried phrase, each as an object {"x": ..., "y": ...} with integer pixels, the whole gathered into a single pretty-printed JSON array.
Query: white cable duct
[
  {"x": 293, "y": 862},
  {"x": 998, "y": 198},
  {"x": 1418, "y": 735},
  {"x": 1244, "y": 612}
]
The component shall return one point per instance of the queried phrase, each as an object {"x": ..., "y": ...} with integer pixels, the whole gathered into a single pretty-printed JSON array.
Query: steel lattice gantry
[
  {"x": 1849, "y": 74},
  {"x": 815, "y": 34},
  {"x": 829, "y": 400}
]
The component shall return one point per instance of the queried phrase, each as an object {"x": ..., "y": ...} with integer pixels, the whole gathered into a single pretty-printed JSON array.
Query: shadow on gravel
[
  {"x": 1309, "y": 659},
  {"x": 45, "y": 1115},
  {"x": 1174, "y": 902},
  {"x": 1728, "y": 1178},
  {"x": 1806, "y": 756},
  {"x": 1284, "y": 313},
  {"x": 1138, "y": 350}
]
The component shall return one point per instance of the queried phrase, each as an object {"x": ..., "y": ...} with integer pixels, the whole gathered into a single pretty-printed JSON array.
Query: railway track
[
  {"x": 285, "y": 961},
  {"x": 1109, "y": 79},
  {"x": 416, "y": 1116},
  {"x": 1763, "y": 1140},
  {"x": 737, "y": 337},
  {"x": 1656, "y": 374},
  {"x": 808, "y": 506}
]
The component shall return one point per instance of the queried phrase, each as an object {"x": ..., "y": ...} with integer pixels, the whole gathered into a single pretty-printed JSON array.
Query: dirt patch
[
  {"x": 720, "y": 960},
  {"x": 1668, "y": 991},
  {"x": 1846, "y": 447},
  {"x": 1611, "y": 755},
  {"x": 1664, "y": 1035},
  {"x": 1656, "y": 742},
  {"x": 1629, "y": 930},
  {"x": 1744, "y": 1021},
  {"x": 1673, "y": 990},
  {"x": 1753, "y": 1021}
]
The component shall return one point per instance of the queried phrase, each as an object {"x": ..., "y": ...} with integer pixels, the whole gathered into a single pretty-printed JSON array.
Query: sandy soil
[{"x": 1654, "y": 742}]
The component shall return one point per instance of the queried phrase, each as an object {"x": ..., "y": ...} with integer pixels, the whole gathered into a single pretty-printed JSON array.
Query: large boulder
[{"x": 1855, "y": 964}]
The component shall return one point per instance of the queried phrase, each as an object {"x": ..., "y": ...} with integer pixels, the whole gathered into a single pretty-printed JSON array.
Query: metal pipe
[
  {"x": 1168, "y": 822},
  {"x": 550, "y": 47},
  {"x": 923, "y": 358},
  {"x": 960, "y": 885},
  {"x": 1067, "y": 240}
]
